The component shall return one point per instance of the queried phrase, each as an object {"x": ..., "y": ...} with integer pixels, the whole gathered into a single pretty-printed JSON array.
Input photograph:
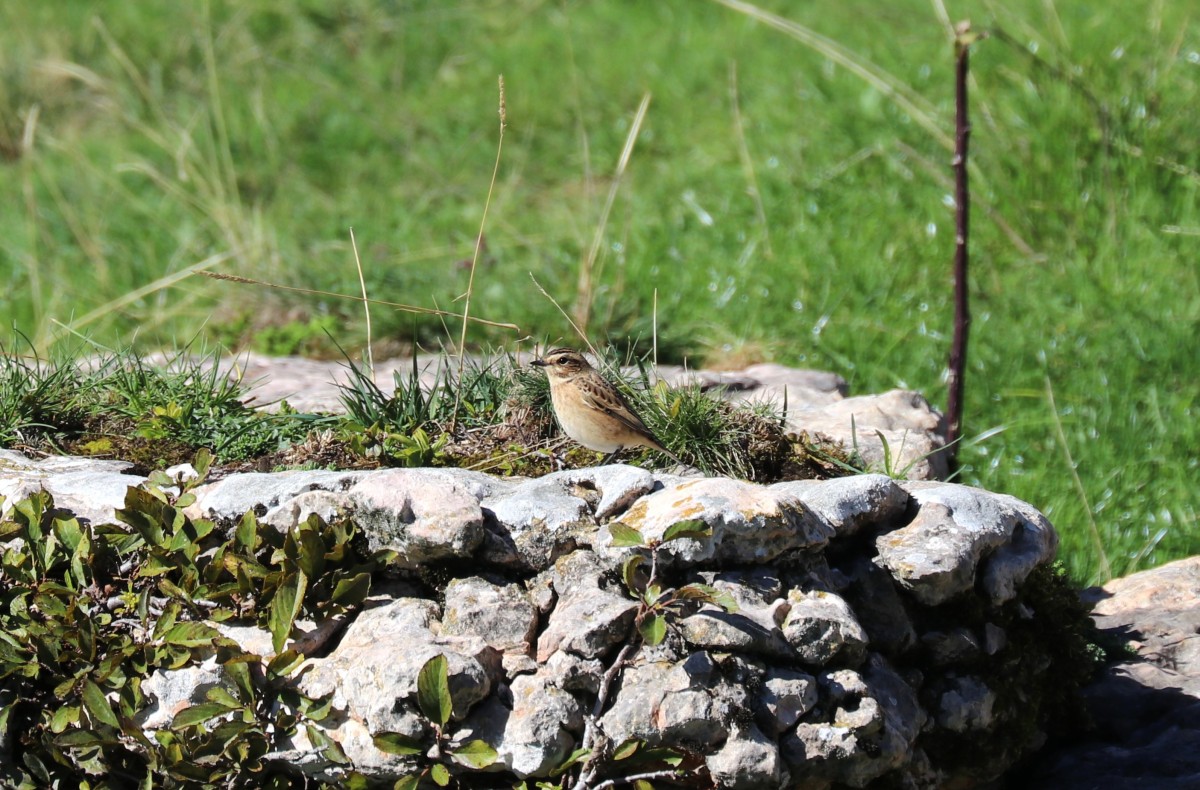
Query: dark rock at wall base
[{"x": 1145, "y": 707}]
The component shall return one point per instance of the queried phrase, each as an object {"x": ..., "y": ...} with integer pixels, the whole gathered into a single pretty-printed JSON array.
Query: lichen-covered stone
[
  {"x": 589, "y": 619},
  {"x": 786, "y": 696},
  {"x": 848, "y": 504},
  {"x": 374, "y": 668},
  {"x": 421, "y": 515},
  {"x": 747, "y": 760},
  {"x": 822, "y": 628},
  {"x": 750, "y": 524},
  {"x": 664, "y": 702},
  {"x": 500, "y": 613}
]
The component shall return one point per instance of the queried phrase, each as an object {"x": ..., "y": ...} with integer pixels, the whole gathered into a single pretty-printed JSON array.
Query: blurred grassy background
[{"x": 782, "y": 207}]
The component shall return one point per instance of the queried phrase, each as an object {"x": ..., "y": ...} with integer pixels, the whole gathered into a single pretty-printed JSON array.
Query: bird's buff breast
[{"x": 579, "y": 422}]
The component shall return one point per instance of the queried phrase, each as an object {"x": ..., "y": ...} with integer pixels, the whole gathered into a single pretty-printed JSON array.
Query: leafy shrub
[{"x": 87, "y": 613}]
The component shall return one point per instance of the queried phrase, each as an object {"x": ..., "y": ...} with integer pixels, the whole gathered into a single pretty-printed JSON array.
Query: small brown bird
[{"x": 591, "y": 410}]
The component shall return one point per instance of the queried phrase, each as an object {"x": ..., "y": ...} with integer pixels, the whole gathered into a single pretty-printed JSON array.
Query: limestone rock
[
  {"x": 616, "y": 486},
  {"x": 880, "y": 608},
  {"x": 228, "y": 499},
  {"x": 543, "y": 727},
  {"x": 848, "y": 504},
  {"x": 966, "y": 704},
  {"x": 171, "y": 691},
  {"x": 671, "y": 702},
  {"x": 92, "y": 489},
  {"x": 328, "y": 505},
  {"x": 748, "y": 760},
  {"x": 1146, "y": 707},
  {"x": 571, "y": 672},
  {"x": 785, "y": 697},
  {"x": 869, "y": 724},
  {"x": 821, "y": 627},
  {"x": 422, "y": 515},
  {"x": 750, "y": 524},
  {"x": 749, "y": 587},
  {"x": 764, "y": 382},
  {"x": 713, "y": 628},
  {"x": 543, "y": 519},
  {"x": 914, "y": 431},
  {"x": 589, "y": 619},
  {"x": 960, "y": 533},
  {"x": 373, "y": 671},
  {"x": 501, "y": 614}
]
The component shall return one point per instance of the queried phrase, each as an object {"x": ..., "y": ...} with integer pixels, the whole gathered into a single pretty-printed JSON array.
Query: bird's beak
[{"x": 541, "y": 363}]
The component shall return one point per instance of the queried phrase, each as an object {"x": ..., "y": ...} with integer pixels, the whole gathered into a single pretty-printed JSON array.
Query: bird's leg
[{"x": 608, "y": 459}]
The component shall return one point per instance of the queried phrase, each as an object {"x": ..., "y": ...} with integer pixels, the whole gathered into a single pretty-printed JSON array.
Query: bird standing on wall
[{"x": 591, "y": 410}]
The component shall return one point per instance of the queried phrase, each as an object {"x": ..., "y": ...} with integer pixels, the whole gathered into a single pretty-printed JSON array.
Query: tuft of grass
[{"x": 119, "y": 404}]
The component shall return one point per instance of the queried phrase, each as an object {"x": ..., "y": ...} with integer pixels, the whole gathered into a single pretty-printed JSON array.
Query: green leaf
[
  {"x": 624, "y": 536},
  {"x": 352, "y": 591},
  {"x": 246, "y": 537},
  {"x": 285, "y": 663},
  {"x": 78, "y": 739},
  {"x": 703, "y": 592},
  {"x": 661, "y": 754},
  {"x": 239, "y": 673},
  {"x": 221, "y": 696},
  {"x": 627, "y": 748},
  {"x": 629, "y": 571},
  {"x": 328, "y": 747},
  {"x": 305, "y": 548},
  {"x": 692, "y": 528},
  {"x": 97, "y": 705},
  {"x": 37, "y": 768},
  {"x": 201, "y": 462},
  {"x": 198, "y": 714},
  {"x": 69, "y": 532},
  {"x": 351, "y": 781},
  {"x": 65, "y": 716},
  {"x": 396, "y": 743},
  {"x": 407, "y": 783},
  {"x": 653, "y": 629},
  {"x": 433, "y": 690},
  {"x": 642, "y": 784},
  {"x": 190, "y": 634},
  {"x": 439, "y": 775},
  {"x": 285, "y": 607},
  {"x": 475, "y": 754},
  {"x": 571, "y": 760}
]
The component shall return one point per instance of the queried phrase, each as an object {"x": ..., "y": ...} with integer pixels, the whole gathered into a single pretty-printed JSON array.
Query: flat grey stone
[
  {"x": 589, "y": 619},
  {"x": 850, "y": 503},
  {"x": 228, "y": 499},
  {"x": 670, "y": 702},
  {"x": 750, "y": 523},
  {"x": 93, "y": 489}
]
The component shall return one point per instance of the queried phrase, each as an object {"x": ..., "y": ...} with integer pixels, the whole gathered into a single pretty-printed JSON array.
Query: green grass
[{"x": 254, "y": 135}]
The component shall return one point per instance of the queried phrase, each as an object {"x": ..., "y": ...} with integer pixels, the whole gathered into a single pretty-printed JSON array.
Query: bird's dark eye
[{"x": 562, "y": 360}]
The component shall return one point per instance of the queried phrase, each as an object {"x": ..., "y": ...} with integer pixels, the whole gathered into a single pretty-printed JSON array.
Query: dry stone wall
[{"x": 883, "y": 630}]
